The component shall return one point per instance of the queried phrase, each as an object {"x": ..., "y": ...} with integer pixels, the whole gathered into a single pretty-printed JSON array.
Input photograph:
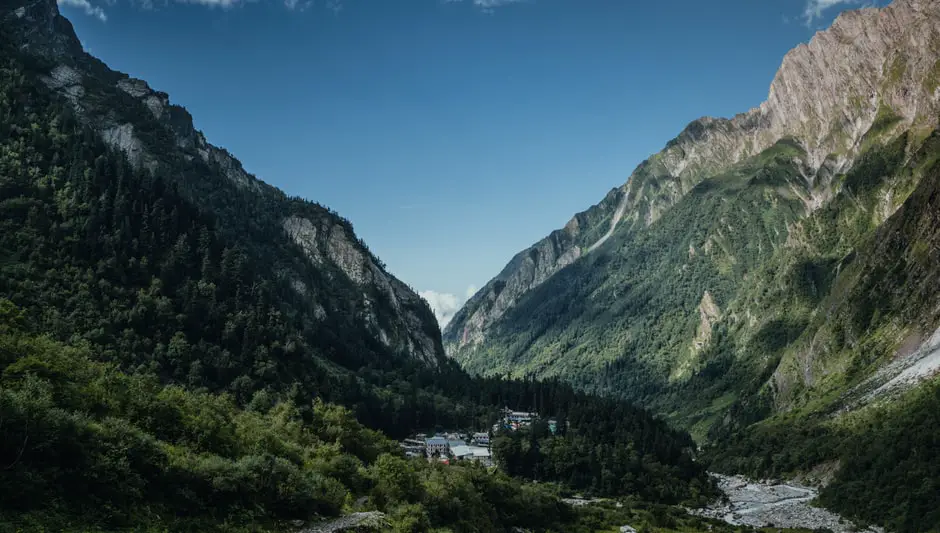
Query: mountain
[
  {"x": 310, "y": 293},
  {"x": 185, "y": 348},
  {"x": 769, "y": 281},
  {"x": 757, "y": 265}
]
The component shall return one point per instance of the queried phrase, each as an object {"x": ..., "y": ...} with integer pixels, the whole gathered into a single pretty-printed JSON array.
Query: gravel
[{"x": 771, "y": 504}]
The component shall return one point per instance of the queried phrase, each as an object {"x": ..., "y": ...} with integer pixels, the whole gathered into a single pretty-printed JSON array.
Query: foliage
[
  {"x": 86, "y": 443},
  {"x": 601, "y": 456},
  {"x": 886, "y": 458}
]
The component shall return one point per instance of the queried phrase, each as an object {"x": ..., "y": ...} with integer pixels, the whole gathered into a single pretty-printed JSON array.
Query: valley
[{"x": 185, "y": 347}]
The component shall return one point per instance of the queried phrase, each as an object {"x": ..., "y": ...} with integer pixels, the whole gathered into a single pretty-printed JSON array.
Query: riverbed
[{"x": 771, "y": 504}]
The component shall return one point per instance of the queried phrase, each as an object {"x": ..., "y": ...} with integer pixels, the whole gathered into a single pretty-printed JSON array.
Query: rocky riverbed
[{"x": 762, "y": 504}]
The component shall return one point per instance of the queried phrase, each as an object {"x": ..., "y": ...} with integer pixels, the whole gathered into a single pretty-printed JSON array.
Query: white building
[
  {"x": 483, "y": 439},
  {"x": 436, "y": 445}
]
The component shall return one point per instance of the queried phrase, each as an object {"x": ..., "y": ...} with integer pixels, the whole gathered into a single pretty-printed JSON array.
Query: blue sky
[{"x": 452, "y": 134}]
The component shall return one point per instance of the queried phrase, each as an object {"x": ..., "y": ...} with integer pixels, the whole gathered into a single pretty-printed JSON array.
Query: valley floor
[{"x": 768, "y": 504}]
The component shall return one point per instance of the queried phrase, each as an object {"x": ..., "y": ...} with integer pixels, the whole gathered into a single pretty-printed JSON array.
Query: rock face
[
  {"x": 529, "y": 269},
  {"x": 328, "y": 241},
  {"x": 373, "y": 521},
  {"x": 139, "y": 121},
  {"x": 826, "y": 95}
]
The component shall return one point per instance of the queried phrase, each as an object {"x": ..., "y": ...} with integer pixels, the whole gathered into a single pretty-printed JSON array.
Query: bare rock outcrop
[
  {"x": 367, "y": 522},
  {"x": 826, "y": 96}
]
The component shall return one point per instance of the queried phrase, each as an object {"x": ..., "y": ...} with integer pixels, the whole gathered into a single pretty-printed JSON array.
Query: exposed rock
[
  {"x": 356, "y": 522},
  {"x": 769, "y": 504},
  {"x": 232, "y": 168},
  {"x": 825, "y": 96},
  {"x": 63, "y": 76},
  {"x": 134, "y": 87},
  {"x": 325, "y": 241},
  {"x": 304, "y": 233},
  {"x": 901, "y": 374},
  {"x": 709, "y": 313},
  {"x": 347, "y": 256},
  {"x": 121, "y": 137},
  {"x": 155, "y": 102}
]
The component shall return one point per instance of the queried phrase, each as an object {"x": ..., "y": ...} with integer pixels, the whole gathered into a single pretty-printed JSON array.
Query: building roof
[
  {"x": 461, "y": 451},
  {"x": 437, "y": 441},
  {"x": 470, "y": 451}
]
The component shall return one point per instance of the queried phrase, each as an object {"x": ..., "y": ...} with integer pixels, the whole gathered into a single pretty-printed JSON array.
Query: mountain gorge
[{"x": 184, "y": 347}]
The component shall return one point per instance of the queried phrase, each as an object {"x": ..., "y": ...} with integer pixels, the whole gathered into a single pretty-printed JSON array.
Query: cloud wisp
[
  {"x": 488, "y": 6},
  {"x": 85, "y": 5},
  {"x": 445, "y": 305},
  {"x": 815, "y": 8}
]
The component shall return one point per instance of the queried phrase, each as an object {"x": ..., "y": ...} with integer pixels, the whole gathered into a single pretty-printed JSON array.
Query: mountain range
[
  {"x": 723, "y": 257},
  {"x": 185, "y": 347}
]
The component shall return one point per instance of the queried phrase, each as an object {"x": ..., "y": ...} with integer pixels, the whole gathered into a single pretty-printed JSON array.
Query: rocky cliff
[
  {"x": 826, "y": 95},
  {"x": 156, "y": 135}
]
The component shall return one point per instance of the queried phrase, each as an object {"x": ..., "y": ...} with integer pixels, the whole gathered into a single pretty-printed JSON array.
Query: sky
[{"x": 452, "y": 133}]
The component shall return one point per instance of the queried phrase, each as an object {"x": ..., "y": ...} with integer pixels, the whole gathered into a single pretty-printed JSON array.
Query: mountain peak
[
  {"x": 40, "y": 28},
  {"x": 825, "y": 97}
]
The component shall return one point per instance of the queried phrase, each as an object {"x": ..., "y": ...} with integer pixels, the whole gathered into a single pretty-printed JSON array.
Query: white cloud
[
  {"x": 224, "y": 4},
  {"x": 471, "y": 290},
  {"x": 86, "y": 6},
  {"x": 445, "y": 305},
  {"x": 488, "y": 6},
  {"x": 815, "y": 8},
  {"x": 297, "y": 5}
]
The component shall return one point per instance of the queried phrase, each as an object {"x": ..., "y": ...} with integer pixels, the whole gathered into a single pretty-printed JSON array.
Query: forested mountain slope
[
  {"x": 726, "y": 245},
  {"x": 173, "y": 257},
  {"x": 771, "y": 280},
  {"x": 826, "y": 95}
]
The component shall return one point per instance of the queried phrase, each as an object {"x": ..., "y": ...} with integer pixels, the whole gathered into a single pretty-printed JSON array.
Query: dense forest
[
  {"x": 594, "y": 453},
  {"x": 87, "y": 447}
]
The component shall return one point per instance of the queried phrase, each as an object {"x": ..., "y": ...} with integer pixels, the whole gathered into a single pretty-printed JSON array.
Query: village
[{"x": 453, "y": 446}]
